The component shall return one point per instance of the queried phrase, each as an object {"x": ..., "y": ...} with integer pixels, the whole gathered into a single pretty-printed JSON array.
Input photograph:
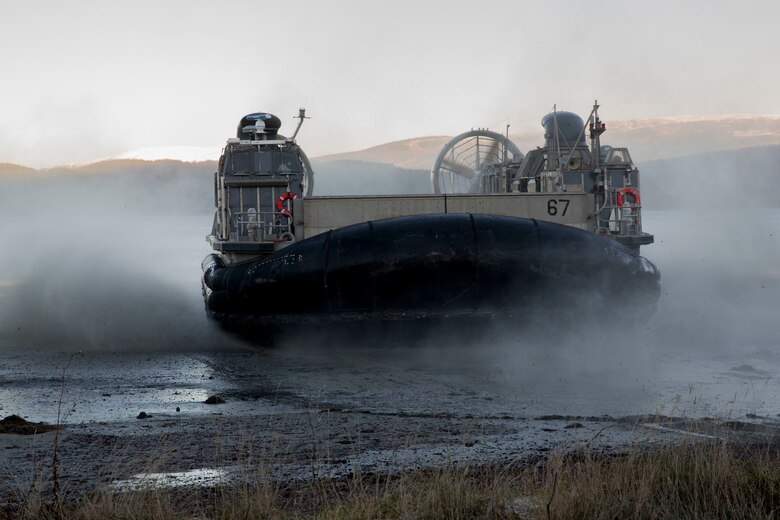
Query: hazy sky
[{"x": 87, "y": 79}]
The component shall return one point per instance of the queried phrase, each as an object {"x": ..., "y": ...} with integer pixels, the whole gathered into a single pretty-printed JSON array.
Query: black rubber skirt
[{"x": 428, "y": 266}]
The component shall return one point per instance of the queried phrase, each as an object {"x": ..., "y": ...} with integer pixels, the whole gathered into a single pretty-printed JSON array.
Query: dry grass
[
  {"x": 708, "y": 481},
  {"x": 703, "y": 481}
]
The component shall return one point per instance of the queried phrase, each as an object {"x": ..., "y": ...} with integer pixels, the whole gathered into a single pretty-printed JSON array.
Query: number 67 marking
[{"x": 552, "y": 206}]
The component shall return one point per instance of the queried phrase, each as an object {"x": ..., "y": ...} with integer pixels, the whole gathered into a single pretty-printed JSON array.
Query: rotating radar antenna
[{"x": 467, "y": 159}]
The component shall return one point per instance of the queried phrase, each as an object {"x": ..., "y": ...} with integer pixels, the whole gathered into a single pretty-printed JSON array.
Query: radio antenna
[{"x": 301, "y": 116}]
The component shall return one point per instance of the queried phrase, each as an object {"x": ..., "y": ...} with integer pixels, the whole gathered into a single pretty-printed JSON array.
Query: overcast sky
[{"x": 83, "y": 80}]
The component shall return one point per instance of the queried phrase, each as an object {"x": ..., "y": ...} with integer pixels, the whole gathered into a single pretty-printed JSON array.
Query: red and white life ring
[
  {"x": 628, "y": 191},
  {"x": 280, "y": 203}
]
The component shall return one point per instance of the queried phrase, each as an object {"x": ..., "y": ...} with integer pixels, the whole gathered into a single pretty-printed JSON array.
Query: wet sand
[{"x": 294, "y": 413}]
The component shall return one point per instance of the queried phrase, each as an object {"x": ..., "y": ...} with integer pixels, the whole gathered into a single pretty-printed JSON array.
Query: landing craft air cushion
[{"x": 559, "y": 228}]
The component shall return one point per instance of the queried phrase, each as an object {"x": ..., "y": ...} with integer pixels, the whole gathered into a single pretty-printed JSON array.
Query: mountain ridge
[{"x": 647, "y": 139}]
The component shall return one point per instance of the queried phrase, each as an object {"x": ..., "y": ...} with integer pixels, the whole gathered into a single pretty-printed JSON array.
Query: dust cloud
[
  {"x": 87, "y": 265},
  {"x": 716, "y": 326},
  {"x": 112, "y": 262},
  {"x": 717, "y": 227}
]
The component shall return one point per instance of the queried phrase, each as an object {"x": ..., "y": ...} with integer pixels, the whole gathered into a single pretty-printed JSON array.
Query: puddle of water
[
  {"x": 662, "y": 428},
  {"x": 195, "y": 478}
]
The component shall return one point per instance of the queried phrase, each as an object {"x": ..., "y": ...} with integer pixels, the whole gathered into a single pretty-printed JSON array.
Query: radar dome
[
  {"x": 570, "y": 127},
  {"x": 258, "y": 123}
]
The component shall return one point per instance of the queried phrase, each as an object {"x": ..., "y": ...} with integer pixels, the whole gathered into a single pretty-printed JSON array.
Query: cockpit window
[
  {"x": 289, "y": 162},
  {"x": 268, "y": 161},
  {"x": 618, "y": 156},
  {"x": 250, "y": 161}
]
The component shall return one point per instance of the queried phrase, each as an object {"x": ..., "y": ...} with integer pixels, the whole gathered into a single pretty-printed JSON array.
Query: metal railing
[
  {"x": 253, "y": 226},
  {"x": 625, "y": 220}
]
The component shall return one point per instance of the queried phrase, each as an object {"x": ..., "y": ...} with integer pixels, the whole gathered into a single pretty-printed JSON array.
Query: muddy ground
[
  {"x": 293, "y": 412},
  {"x": 706, "y": 363}
]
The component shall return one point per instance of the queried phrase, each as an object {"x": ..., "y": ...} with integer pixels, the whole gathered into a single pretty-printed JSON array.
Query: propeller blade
[
  {"x": 460, "y": 169},
  {"x": 491, "y": 156}
]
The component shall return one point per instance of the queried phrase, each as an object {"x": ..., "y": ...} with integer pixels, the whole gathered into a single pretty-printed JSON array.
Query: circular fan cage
[{"x": 468, "y": 157}]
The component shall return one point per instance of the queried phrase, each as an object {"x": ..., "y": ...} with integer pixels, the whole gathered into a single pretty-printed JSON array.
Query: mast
[{"x": 301, "y": 116}]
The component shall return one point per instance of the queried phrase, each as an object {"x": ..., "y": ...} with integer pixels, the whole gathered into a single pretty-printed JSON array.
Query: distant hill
[
  {"x": 114, "y": 186},
  {"x": 138, "y": 187},
  {"x": 747, "y": 177},
  {"x": 10, "y": 169},
  {"x": 105, "y": 167},
  {"x": 666, "y": 138},
  {"x": 417, "y": 153},
  {"x": 647, "y": 139}
]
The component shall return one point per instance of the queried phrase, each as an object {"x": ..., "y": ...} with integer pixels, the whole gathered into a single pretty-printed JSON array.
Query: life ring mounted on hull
[
  {"x": 629, "y": 191},
  {"x": 280, "y": 203}
]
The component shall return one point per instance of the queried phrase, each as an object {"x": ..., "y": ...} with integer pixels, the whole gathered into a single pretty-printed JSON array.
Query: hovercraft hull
[{"x": 428, "y": 266}]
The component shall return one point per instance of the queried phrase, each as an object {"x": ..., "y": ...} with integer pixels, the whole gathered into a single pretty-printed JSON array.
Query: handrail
[
  {"x": 625, "y": 220},
  {"x": 252, "y": 226}
]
